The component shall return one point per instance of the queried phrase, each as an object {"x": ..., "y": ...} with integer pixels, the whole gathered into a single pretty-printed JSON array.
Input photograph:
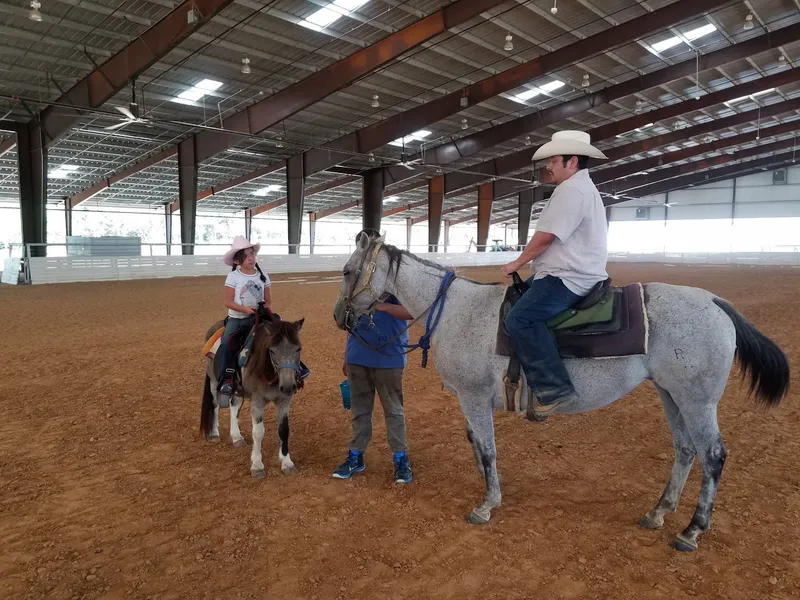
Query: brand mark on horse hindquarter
[{"x": 678, "y": 354}]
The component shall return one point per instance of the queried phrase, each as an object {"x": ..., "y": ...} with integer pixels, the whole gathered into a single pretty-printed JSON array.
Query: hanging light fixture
[
  {"x": 464, "y": 101},
  {"x": 782, "y": 59},
  {"x": 639, "y": 106},
  {"x": 464, "y": 124},
  {"x": 371, "y": 157},
  {"x": 279, "y": 142},
  {"x": 748, "y": 22},
  {"x": 585, "y": 82},
  {"x": 527, "y": 140},
  {"x": 246, "y": 65},
  {"x": 509, "y": 46},
  {"x": 34, "y": 14},
  {"x": 376, "y": 102},
  {"x": 554, "y": 10}
]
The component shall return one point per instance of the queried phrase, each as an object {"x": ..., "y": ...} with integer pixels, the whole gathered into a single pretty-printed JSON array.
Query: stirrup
[{"x": 512, "y": 393}]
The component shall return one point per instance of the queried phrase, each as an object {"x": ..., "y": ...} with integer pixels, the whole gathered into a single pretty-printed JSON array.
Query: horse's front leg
[
  {"x": 478, "y": 412},
  {"x": 237, "y": 439},
  {"x": 257, "y": 412},
  {"x": 282, "y": 418}
]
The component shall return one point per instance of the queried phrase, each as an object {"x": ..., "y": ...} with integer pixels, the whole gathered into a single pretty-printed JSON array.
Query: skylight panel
[
  {"x": 666, "y": 44},
  {"x": 699, "y": 32},
  {"x": 328, "y": 14},
  {"x": 266, "y": 190},
  {"x": 416, "y": 136},
  {"x": 197, "y": 91}
]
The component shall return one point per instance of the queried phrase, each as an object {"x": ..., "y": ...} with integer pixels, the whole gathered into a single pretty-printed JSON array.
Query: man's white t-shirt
[
  {"x": 576, "y": 216},
  {"x": 248, "y": 290}
]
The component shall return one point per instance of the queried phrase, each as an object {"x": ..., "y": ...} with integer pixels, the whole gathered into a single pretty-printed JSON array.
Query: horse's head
[
  {"x": 365, "y": 279},
  {"x": 276, "y": 353}
]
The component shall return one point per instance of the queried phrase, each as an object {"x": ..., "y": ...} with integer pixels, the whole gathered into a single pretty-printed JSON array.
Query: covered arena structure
[{"x": 138, "y": 137}]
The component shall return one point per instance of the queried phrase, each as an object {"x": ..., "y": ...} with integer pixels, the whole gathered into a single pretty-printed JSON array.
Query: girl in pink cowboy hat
[{"x": 245, "y": 287}]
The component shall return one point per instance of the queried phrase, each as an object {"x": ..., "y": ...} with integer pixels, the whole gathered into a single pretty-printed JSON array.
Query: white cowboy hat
[
  {"x": 239, "y": 243},
  {"x": 568, "y": 143}
]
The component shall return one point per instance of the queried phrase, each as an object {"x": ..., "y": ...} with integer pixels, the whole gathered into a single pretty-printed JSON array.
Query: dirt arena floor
[{"x": 108, "y": 491}]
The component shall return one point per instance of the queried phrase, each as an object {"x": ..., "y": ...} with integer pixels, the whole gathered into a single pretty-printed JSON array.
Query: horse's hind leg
[
  {"x": 701, "y": 422},
  {"x": 282, "y": 417},
  {"x": 684, "y": 457},
  {"x": 236, "y": 435},
  {"x": 478, "y": 412}
]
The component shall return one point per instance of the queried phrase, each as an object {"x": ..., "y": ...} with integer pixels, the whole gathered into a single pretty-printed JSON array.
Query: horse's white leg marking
[
  {"x": 257, "y": 412},
  {"x": 282, "y": 417},
  {"x": 684, "y": 457},
  {"x": 236, "y": 435},
  {"x": 214, "y": 435}
]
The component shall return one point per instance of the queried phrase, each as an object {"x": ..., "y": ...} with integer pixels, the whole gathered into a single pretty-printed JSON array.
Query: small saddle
[{"x": 608, "y": 322}]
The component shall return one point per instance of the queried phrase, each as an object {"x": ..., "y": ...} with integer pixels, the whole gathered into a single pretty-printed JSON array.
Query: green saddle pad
[{"x": 602, "y": 312}]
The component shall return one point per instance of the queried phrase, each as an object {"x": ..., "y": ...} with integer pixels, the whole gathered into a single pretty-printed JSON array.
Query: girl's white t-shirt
[{"x": 248, "y": 290}]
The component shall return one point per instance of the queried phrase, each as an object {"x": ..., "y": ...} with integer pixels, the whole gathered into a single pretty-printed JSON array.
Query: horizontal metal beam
[
  {"x": 98, "y": 187},
  {"x": 399, "y": 125},
  {"x": 637, "y": 181},
  {"x": 447, "y": 211},
  {"x": 316, "y": 87},
  {"x": 487, "y": 138},
  {"x": 316, "y": 189},
  {"x": 13, "y": 126},
  {"x": 503, "y": 219},
  {"x": 522, "y": 159},
  {"x": 321, "y": 214},
  {"x": 673, "y": 110},
  {"x": 474, "y": 217},
  {"x": 657, "y": 141},
  {"x": 232, "y": 183},
  {"x": 748, "y": 167},
  {"x": 398, "y": 209},
  {"x": 653, "y": 162},
  {"x": 134, "y": 59}
]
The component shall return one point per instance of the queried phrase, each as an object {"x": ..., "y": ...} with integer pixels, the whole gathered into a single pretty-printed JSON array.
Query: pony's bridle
[{"x": 350, "y": 310}]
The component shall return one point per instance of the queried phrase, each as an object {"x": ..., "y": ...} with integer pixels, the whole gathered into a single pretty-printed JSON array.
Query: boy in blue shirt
[{"x": 370, "y": 371}]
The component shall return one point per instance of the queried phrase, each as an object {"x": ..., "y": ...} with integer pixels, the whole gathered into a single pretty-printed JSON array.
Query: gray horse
[
  {"x": 270, "y": 375},
  {"x": 693, "y": 338}
]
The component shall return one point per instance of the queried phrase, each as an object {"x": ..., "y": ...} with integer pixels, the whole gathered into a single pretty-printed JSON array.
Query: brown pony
[{"x": 271, "y": 374}]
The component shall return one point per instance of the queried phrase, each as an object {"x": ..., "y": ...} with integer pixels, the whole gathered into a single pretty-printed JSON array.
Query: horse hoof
[
  {"x": 683, "y": 545},
  {"x": 258, "y": 473},
  {"x": 240, "y": 443},
  {"x": 649, "y": 523},
  {"x": 290, "y": 470},
  {"x": 213, "y": 438},
  {"x": 476, "y": 517}
]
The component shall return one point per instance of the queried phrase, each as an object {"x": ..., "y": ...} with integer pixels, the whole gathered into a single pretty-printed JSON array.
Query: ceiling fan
[
  {"x": 131, "y": 112},
  {"x": 407, "y": 163}
]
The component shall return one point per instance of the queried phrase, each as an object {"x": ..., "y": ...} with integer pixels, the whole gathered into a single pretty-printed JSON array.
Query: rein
[{"x": 434, "y": 311}]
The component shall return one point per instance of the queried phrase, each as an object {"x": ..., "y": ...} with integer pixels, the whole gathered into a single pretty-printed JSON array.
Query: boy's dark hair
[{"x": 238, "y": 259}]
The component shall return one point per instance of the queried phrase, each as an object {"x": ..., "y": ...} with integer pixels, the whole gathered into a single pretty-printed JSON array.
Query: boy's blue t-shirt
[{"x": 385, "y": 328}]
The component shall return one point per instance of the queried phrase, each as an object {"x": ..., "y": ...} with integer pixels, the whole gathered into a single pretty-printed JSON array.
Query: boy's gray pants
[{"x": 364, "y": 382}]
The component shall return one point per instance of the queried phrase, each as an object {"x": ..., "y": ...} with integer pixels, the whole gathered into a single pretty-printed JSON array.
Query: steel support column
[
  {"x": 248, "y": 223},
  {"x": 409, "y": 226},
  {"x": 485, "y": 200},
  {"x": 312, "y": 230},
  {"x": 524, "y": 216},
  {"x": 435, "y": 203},
  {"x": 168, "y": 227},
  {"x": 187, "y": 193},
  {"x": 446, "y": 234},
  {"x": 67, "y": 219},
  {"x": 733, "y": 202},
  {"x": 32, "y": 161},
  {"x": 372, "y": 209},
  {"x": 295, "y": 196}
]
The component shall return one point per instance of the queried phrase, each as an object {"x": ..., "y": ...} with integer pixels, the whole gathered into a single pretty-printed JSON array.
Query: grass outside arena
[{"x": 108, "y": 490}]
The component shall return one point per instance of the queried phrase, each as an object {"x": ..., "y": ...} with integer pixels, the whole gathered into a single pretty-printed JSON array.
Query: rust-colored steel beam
[
  {"x": 474, "y": 216},
  {"x": 485, "y": 201},
  {"x": 106, "y": 183},
  {"x": 673, "y": 110},
  {"x": 417, "y": 185},
  {"x": 482, "y": 140},
  {"x": 264, "y": 114},
  {"x": 446, "y": 211},
  {"x": 629, "y": 183},
  {"x": 749, "y": 167},
  {"x": 134, "y": 59},
  {"x": 316, "y": 189},
  {"x": 396, "y": 126},
  {"x": 653, "y": 162},
  {"x": 232, "y": 183},
  {"x": 435, "y": 204},
  {"x": 501, "y": 220},
  {"x": 403, "y": 207},
  {"x": 522, "y": 159},
  {"x": 321, "y": 214},
  {"x": 8, "y": 145}
]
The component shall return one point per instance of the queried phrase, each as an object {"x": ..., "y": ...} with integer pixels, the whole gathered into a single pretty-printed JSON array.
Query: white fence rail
[{"x": 40, "y": 270}]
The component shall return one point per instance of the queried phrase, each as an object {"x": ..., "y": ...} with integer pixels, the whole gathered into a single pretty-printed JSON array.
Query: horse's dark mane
[
  {"x": 395, "y": 255},
  {"x": 268, "y": 335}
]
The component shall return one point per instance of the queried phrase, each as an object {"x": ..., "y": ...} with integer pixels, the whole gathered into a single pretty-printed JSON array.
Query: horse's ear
[
  {"x": 362, "y": 241},
  {"x": 298, "y": 325},
  {"x": 272, "y": 327}
]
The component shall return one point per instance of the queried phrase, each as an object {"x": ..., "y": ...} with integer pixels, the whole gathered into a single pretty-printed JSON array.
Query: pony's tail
[
  {"x": 207, "y": 409},
  {"x": 760, "y": 358}
]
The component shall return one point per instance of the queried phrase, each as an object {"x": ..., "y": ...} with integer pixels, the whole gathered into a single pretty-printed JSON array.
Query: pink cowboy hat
[{"x": 239, "y": 243}]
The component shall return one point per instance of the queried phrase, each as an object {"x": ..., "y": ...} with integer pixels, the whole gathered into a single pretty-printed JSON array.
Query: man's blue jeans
[{"x": 534, "y": 344}]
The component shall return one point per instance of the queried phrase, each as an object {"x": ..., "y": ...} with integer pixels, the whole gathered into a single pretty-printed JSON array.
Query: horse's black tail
[
  {"x": 759, "y": 357},
  {"x": 207, "y": 409}
]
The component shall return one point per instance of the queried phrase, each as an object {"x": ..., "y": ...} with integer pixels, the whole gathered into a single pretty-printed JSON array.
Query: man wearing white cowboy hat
[{"x": 569, "y": 254}]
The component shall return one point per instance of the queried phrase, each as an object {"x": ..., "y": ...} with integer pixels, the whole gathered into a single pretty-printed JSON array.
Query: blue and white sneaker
[
  {"x": 402, "y": 470},
  {"x": 353, "y": 464}
]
